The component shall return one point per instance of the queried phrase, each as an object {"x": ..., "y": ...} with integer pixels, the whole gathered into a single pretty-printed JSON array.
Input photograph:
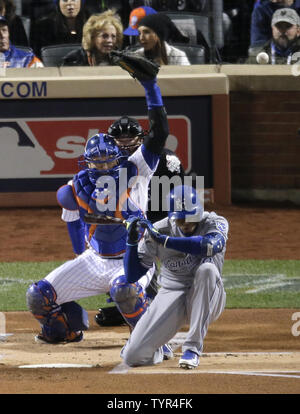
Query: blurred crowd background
[{"x": 83, "y": 32}]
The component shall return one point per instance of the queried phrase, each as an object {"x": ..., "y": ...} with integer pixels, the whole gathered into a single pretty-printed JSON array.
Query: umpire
[{"x": 128, "y": 135}]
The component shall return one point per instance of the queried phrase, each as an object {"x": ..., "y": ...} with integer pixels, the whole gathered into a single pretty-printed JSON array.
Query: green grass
[
  {"x": 262, "y": 283},
  {"x": 15, "y": 278},
  {"x": 291, "y": 268},
  {"x": 248, "y": 283}
]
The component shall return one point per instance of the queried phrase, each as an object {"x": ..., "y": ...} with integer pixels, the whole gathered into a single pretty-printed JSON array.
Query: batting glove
[
  {"x": 155, "y": 234},
  {"x": 133, "y": 227}
]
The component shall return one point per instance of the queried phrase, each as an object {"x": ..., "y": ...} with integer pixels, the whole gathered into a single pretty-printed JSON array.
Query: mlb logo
[{"x": 51, "y": 147}]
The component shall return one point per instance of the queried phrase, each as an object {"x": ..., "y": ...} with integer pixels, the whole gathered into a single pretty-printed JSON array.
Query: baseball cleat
[
  {"x": 189, "y": 360},
  {"x": 168, "y": 352},
  {"x": 40, "y": 339}
]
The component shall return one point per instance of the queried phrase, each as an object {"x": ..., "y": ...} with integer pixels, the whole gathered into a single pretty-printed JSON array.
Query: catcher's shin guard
[
  {"x": 58, "y": 323},
  {"x": 130, "y": 299}
]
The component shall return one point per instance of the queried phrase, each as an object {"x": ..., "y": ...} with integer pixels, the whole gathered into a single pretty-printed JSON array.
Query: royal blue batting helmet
[
  {"x": 185, "y": 203},
  {"x": 105, "y": 156}
]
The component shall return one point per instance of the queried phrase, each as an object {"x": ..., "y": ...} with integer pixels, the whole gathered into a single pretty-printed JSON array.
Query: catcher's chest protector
[{"x": 107, "y": 240}]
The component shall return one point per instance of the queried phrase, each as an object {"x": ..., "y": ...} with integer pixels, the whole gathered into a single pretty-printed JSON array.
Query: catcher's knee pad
[
  {"x": 41, "y": 300},
  {"x": 58, "y": 323},
  {"x": 130, "y": 299}
]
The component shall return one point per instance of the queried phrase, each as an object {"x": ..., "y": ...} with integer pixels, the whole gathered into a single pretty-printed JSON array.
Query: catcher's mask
[
  {"x": 185, "y": 204},
  {"x": 101, "y": 157},
  {"x": 127, "y": 133}
]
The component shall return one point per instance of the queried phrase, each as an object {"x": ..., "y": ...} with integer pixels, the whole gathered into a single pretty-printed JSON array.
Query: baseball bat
[{"x": 92, "y": 218}]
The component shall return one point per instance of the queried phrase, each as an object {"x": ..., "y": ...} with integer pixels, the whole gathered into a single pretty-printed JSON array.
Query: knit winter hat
[
  {"x": 159, "y": 23},
  {"x": 164, "y": 27}
]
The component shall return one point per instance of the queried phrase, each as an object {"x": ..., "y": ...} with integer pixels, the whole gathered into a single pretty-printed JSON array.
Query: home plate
[
  {"x": 58, "y": 366},
  {"x": 3, "y": 337}
]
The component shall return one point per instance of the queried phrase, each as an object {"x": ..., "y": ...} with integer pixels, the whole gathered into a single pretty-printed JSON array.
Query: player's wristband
[
  {"x": 132, "y": 267},
  {"x": 165, "y": 243}
]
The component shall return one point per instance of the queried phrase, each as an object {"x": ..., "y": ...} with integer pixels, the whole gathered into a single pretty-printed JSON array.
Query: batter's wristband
[{"x": 165, "y": 243}]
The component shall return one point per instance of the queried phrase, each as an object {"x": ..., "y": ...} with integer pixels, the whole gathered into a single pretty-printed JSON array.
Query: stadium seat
[
  {"x": 205, "y": 28},
  {"x": 25, "y": 48},
  {"x": 27, "y": 24},
  {"x": 53, "y": 55},
  {"x": 190, "y": 24},
  {"x": 195, "y": 53}
]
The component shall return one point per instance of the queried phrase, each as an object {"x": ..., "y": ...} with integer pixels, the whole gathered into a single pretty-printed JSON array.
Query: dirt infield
[
  {"x": 241, "y": 341},
  {"x": 246, "y": 351},
  {"x": 254, "y": 233}
]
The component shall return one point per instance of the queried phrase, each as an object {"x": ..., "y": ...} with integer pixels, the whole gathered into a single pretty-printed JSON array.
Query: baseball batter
[
  {"x": 98, "y": 268},
  {"x": 190, "y": 245}
]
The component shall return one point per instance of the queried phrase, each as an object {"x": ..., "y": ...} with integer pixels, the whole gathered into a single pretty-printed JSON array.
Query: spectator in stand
[
  {"x": 102, "y": 33},
  {"x": 64, "y": 25},
  {"x": 154, "y": 31},
  {"x": 12, "y": 57},
  {"x": 16, "y": 29},
  {"x": 261, "y": 18},
  {"x": 131, "y": 32},
  {"x": 285, "y": 40}
]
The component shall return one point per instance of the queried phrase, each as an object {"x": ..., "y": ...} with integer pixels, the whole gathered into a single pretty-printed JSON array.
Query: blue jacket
[
  {"x": 17, "y": 58},
  {"x": 261, "y": 18}
]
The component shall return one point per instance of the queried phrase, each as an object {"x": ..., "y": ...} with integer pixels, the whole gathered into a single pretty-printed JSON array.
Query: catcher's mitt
[
  {"x": 136, "y": 65},
  {"x": 109, "y": 316}
]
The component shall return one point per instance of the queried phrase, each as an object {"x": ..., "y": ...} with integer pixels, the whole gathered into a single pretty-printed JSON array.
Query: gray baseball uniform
[{"x": 191, "y": 293}]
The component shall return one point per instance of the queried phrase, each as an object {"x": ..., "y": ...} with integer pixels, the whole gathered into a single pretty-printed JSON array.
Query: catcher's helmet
[
  {"x": 126, "y": 128},
  {"x": 185, "y": 204},
  {"x": 101, "y": 157}
]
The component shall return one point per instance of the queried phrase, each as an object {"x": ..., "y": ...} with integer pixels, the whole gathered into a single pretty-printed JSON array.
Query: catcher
[{"x": 98, "y": 268}]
